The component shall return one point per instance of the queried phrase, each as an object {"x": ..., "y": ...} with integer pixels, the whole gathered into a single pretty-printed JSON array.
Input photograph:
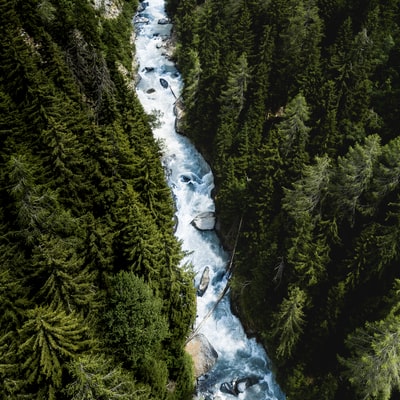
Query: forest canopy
[
  {"x": 87, "y": 243},
  {"x": 295, "y": 103}
]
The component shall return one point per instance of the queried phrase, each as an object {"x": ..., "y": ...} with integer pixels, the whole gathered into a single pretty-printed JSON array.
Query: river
[{"x": 191, "y": 181}]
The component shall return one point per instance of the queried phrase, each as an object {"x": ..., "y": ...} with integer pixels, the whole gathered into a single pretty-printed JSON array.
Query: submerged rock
[{"x": 190, "y": 178}]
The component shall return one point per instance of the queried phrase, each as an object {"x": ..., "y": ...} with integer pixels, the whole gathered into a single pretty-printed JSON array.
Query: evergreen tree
[
  {"x": 65, "y": 281},
  {"x": 48, "y": 339},
  {"x": 134, "y": 324},
  {"x": 309, "y": 192},
  {"x": 373, "y": 367},
  {"x": 354, "y": 174},
  {"x": 301, "y": 49},
  {"x": 289, "y": 322},
  {"x": 95, "y": 377},
  {"x": 387, "y": 176},
  {"x": 328, "y": 139},
  {"x": 294, "y": 135},
  {"x": 308, "y": 251}
]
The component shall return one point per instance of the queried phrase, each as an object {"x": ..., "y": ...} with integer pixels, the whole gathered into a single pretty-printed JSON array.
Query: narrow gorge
[{"x": 241, "y": 367}]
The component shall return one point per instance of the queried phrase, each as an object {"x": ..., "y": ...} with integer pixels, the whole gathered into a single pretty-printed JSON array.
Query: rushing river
[{"x": 191, "y": 182}]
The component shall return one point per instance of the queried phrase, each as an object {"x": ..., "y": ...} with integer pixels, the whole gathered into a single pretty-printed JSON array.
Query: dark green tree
[
  {"x": 66, "y": 283},
  {"x": 373, "y": 367},
  {"x": 293, "y": 135},
  {"x": 353, "y": 177},
  {"x": 289, "y": 322},
  {"x": 133, "y": 321},
  {"x": 96, "y": 377},
  {"x": 48, "y": 339}
]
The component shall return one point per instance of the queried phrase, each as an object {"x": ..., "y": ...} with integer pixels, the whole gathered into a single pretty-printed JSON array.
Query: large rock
[
  {"x": 239, "y": 385},
  {"x": 205, "y": 221},
  {"x": 179, "y": 112},
  {"x": 203, "y": 354},
  {"x": 164, "y": 21},
  {"x": 204, "y": 281}
]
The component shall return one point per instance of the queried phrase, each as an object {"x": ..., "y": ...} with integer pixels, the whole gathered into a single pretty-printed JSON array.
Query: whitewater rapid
[{"x": 191, "y": 182}]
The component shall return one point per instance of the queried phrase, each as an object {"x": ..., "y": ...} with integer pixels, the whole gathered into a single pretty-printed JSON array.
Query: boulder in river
[
  {"x": 205, "y": 221},
  {"x": 164, "y": 21},
  {"x": 203, "y": 354},
  {"x": 179, "y": 112},
  {"x": 204, "y": 281},
  {"x": 142, "y": 6},
  {"x": 190, "y": 178},
  {"x": 238, "y": 386},
  {"x": 163, "y": 83},
  {"x": 139, "y": 19}
]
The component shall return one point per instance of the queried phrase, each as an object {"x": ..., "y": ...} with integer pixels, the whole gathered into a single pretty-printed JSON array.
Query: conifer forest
[
  {"x": 295, "y": 104},
  {"x": 93, "y": 303}
]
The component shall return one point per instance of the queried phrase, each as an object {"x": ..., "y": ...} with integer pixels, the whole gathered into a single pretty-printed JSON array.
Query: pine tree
[
  {"x": 96, "y": 377},
  {"x": 353, "y": 177},
  {"x": 212, "y": 38},
  {"x": 190, "y": 91},
  {"x": 98, "y": 245},
  {"x": 258, "y": 94},
  {"x": 289, "y": 322},
  {"x": 133, "y": 321},
  {"x": 140, "y": 242},
  {"x": 13, "y": 300},
  {"x": 328, "y": 139},
  {"x": 49, "y": 338},
  {"x": 232, "y": 100},
  {"x": 58, "y": 269},
  {"x": 232, "y": 97},
  {"x": 31, "y": 207},
  {"x": 309, "y": 192},
  {"x": 242, "y": 37},
  {"x": 294, "y": 136},
  {"x": 301, "y": 49},
  {"x": 387, "y": 176},
  {"x": 373, "y": 367},
  {"x": 308, "y": 249}
]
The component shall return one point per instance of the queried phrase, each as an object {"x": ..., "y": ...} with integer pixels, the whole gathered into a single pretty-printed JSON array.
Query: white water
[{"x": 238, "y": 356}]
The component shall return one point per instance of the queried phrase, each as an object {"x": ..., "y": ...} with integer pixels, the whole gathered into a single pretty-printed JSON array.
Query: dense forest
[
  {"x": 295, "y": 103},
  {"x": 93, "y": 302}
]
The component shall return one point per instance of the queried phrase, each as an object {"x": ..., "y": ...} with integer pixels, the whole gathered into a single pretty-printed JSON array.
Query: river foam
[{"x": 191, "y": 182}]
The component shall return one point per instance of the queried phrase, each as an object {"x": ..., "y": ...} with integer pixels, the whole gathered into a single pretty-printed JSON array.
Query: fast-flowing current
[{"x": 242, "y": 369}]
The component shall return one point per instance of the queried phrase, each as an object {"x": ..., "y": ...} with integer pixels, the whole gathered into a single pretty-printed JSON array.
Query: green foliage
[
  {"x": 301, "y": 129},
  {"x": 354, "y": 176},
  {"x": 373, "y": 367},
  {"x": 290, "y": 321},
  {"x": 82, "y": 197},
  {"x": 49, "y": 338},
  {"x": 67, "y": 282},
  {"x": 94, "y": 377},
  {"x": 135, "y": 326}
]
